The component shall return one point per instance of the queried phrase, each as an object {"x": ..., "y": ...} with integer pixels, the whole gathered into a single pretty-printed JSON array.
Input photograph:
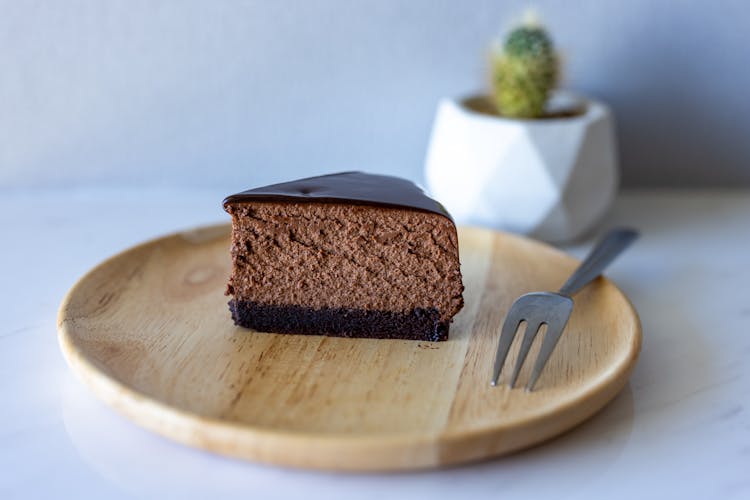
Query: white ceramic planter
[{"x": 552, "y": 178}]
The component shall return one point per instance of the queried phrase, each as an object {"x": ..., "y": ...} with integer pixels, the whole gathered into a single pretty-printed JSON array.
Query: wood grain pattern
[{"x": 149, "y": 331}]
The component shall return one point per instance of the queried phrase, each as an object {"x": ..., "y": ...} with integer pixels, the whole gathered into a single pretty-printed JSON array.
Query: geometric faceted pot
[{"x": 552, "y": 178}]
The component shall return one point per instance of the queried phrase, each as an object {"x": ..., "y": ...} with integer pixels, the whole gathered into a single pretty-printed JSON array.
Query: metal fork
[{"x": 553, "y": 309}]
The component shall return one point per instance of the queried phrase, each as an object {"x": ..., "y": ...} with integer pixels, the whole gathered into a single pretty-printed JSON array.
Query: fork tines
[{"x": 535, "y": 310}]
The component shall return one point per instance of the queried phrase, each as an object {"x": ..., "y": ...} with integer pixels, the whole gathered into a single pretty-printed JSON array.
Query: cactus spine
[{"x": 524, "y": 72}]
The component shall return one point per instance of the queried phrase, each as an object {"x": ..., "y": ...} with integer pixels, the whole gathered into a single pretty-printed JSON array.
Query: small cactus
[{"x": 524, "y": 72}]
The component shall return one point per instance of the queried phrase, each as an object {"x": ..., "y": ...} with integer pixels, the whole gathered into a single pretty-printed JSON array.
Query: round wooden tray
[{"x": 149, "y": 331}]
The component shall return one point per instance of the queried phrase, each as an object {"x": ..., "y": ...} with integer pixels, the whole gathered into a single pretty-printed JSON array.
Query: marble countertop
[{"x": 680, "y": 428}]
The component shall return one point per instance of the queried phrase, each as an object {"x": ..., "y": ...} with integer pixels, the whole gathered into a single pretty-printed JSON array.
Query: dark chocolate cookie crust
[{"x": 418, "y": 324}]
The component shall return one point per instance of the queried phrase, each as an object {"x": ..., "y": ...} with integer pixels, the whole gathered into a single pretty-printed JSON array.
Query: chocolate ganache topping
[{"x": 349, "y": 187}]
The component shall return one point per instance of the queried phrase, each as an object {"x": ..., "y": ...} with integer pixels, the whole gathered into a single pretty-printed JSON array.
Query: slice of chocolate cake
[{"x": 349, "y": 254}]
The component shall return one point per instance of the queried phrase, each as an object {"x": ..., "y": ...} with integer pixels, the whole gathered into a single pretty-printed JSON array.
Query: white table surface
[{"x": 680, "y": 429}]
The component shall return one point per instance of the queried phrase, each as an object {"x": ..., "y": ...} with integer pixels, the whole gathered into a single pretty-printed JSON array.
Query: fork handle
[{"x": 605, "y": 251}]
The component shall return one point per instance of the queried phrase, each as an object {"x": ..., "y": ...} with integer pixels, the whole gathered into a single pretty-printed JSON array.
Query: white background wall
[{"x": 235, "y": 93}]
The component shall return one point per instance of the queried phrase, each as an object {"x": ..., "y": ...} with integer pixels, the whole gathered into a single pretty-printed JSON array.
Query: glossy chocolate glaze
[{"x": 347, "y": 187}]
